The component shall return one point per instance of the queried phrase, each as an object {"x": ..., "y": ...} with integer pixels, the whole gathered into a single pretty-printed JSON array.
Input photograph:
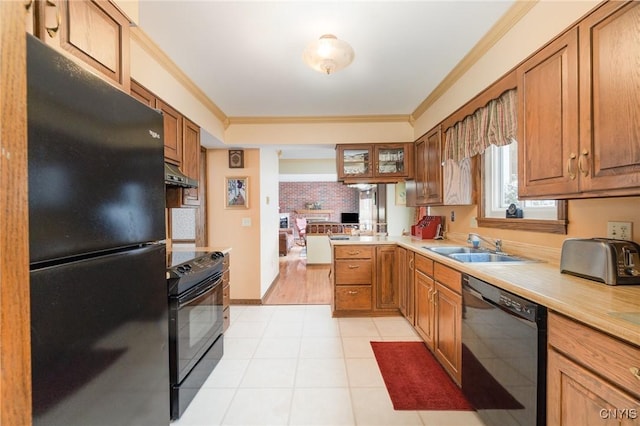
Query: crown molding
[
  {"x": 152, "y": 49},
  {"x": 508, "y": 20},
  {"x": 398, "y": 118}
]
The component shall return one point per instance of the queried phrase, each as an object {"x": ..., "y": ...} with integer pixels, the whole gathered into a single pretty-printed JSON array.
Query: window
[{"x": 500, "y": 189}]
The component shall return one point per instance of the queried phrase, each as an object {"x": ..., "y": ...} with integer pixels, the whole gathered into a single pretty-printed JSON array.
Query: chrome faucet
[{"x": 497, "y": 244}]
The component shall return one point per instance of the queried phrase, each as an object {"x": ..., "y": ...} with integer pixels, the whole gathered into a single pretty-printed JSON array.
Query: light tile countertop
[
  {"x": 612, "y": 309},
  {"x": 178, "y": 248}
]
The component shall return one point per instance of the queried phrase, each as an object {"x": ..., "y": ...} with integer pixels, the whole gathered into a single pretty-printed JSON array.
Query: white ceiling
[{"x": 247, "y": 55}]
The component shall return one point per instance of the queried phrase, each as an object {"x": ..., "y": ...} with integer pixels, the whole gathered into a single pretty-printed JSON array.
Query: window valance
[{"x": 493, "y": 124}]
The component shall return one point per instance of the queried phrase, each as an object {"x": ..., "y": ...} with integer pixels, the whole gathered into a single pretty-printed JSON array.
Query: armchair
[{"x": 301, "y": 227}]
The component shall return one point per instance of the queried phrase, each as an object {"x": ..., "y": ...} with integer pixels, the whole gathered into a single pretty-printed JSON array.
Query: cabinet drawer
[
  {"x": 424, "y": 265},
  {"x": 353, "y": 252},
  {"x": 354, "y": 271},
  {"x": 353, "y": 297},
  {"x": 449, "y": 277},
  {"x": 609, "y": 357}
]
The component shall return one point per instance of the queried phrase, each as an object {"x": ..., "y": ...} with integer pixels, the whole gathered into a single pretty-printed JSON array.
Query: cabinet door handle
[
  {"x": 635, "y": 371},
  {"x": 354, "y": 253},
  {"x": 53, "y": 30},
  {"x": 411, "y": 264},
  {"x": 352, "y": 292},
  {"x": 570, "y": 171},
  {"x": 27, "y": 4},
  {"x": 353, "y": 266},
  {"x": 585, "y": 156}
]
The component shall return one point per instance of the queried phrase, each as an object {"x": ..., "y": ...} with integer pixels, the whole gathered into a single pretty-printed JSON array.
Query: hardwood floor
[{"x": 299, "y": 283}]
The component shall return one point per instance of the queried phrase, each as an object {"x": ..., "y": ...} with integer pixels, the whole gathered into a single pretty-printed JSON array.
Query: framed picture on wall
[
  {"x": 236, "y": 194},
  {"x": 236, "y": 159}
]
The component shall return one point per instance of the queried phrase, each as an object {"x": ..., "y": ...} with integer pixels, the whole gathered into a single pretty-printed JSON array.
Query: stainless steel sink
[
  {"x": 339, "y": 237},
  {"x": 469, "y": 254},
  {"x": 446, "y": 251},
  {"x": 484, "y": 257}
]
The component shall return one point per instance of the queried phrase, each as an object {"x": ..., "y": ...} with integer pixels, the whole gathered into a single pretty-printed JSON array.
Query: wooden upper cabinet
[
  {"x": 578, "y": 114},
  {"x": 181, "y": 135},
  {"x": 172, "y": 133},
  {"x": 609, "y": 157},
  {"x": 191, "y": 161},
  {"x": 457, "y": 181},
  {"x": 393, "y": 160},
  {"x": 354, "y": 161},
  {"x": 548, "y": 119},
  {"x": 374, "y": 163},
  {"x": 142, "y": 94},
  {"x": 429, "y": 168},
  {"x": 94, "y": 32}
]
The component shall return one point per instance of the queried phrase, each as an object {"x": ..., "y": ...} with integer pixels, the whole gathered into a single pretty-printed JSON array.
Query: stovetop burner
[{"x": 186, "y": 269}]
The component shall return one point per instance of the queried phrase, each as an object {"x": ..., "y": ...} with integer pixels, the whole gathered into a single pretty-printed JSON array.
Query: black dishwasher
[{"x": 504, "y": 339}]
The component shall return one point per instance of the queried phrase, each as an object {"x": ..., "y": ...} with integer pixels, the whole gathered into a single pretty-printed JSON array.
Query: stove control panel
[{"x": 202, "y": 263}]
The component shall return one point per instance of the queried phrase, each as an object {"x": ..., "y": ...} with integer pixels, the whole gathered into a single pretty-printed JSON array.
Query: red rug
[{"x": 415, "y": 380}]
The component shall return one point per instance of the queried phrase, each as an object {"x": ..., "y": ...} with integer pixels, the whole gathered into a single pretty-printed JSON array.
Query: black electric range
[{"x": 186, "y": 269}]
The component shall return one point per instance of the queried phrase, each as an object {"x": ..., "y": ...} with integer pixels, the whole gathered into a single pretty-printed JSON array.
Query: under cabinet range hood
[{"x": 173, "y": 176}]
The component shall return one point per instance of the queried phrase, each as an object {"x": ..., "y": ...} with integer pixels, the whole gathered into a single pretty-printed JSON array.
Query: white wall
[
  {"x": 399, "y": 217},
  {"x": 269, "y": 218}
]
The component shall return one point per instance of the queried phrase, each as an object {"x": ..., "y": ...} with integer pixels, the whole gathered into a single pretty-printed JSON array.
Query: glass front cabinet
[{"x": 375, "y": 162}]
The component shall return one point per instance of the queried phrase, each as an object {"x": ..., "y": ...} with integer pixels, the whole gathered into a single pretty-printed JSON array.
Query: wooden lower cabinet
[
  {"x": 365, "y": 280},
  {"x": 406, "y": 288},
  {"x": 386, "y": 284},
  {"x": 447, "y": 344},
  {"x": 438, "y": 314},
  {"x": 592, "y": 378},
  {"x": 353, "y": 275},
  {"x": 424, "y": 289},
  {"x": 353, "y": 298}
]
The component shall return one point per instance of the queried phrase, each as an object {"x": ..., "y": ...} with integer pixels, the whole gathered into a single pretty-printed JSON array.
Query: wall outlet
[{"x": 619, "y": 230}]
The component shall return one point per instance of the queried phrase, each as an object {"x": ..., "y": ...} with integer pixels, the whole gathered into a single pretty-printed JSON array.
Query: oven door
[{"x": 195, "y": 322}]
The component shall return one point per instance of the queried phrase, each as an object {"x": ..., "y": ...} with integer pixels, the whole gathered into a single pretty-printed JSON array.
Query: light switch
[{"x": 246, "y": 221}]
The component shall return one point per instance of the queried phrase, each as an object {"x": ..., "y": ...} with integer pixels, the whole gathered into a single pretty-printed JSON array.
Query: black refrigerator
[{"x": 99, "y": 321}]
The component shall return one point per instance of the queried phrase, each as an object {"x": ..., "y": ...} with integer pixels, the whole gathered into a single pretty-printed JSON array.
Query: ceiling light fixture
[{"x": 328, "y": 54}]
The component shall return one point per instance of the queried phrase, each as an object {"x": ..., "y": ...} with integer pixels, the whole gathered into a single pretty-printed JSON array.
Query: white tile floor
[{"x": 295, "y": 365}]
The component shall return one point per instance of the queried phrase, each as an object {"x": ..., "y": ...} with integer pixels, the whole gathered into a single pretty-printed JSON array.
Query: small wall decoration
[
  {"x": 236, "y": 193},
  {"x": 236, "y": 159}
]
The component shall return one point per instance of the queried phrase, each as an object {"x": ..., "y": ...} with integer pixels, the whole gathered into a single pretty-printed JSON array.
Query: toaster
[{"x": 612, "y": 262}]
